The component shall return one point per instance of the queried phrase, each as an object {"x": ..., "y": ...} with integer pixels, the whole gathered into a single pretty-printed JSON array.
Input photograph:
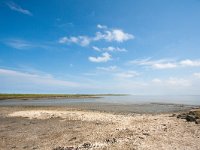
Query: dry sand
[{"x": 48, "y": 128}]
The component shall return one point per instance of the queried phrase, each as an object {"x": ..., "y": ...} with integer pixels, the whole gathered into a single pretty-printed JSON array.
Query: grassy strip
[{"x": 39, "y": 96}]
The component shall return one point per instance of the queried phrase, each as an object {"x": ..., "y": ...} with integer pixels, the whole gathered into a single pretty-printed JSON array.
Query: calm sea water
[
  {"x": 132, "y": 99},
  {"x": 140, "y": 99}
]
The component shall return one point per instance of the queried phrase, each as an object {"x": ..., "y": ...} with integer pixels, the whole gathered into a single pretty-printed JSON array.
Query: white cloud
[
  {"x": 18, "y": 8},
  {"x": 80, "y": 40},
  {"x": 109, "y": 35},
  {"x": 104, "y": 58},
  {"x": 117, "y": 35},
  {"x": 190, "y": 63},
  {"x": 101, "y": 26},
  {"x": 109, "y": 69}
]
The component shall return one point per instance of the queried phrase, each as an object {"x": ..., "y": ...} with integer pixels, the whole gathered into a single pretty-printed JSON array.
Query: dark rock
[
  {"x": 190, "y": 118},
  {"x": 113, "y": 140},
  {"x": 147, "y": 134},
  {"x": 141, "y": 137},
  {"x": 65, "y": 148},
  {"x": 86, "y": 145}
]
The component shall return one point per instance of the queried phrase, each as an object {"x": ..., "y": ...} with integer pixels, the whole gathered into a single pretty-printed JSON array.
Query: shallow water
[
  {"x": 117, "y": 104},
  {"x": 131, "y": 99},
  {"x": 141, "y": 99}
]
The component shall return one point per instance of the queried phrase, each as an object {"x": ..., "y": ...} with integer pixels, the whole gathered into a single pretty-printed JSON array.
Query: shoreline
[{"x": 118, "y": 108}]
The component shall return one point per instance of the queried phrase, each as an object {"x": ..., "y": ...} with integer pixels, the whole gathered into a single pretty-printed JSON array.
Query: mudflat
[{"x": 67, "y": 128}]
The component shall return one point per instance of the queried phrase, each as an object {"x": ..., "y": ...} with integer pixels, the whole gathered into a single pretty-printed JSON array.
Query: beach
[{"x": 70, "y": 128}]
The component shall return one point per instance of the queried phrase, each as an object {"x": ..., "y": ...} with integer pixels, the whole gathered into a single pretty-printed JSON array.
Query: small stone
[
  {"x": 113, "y": 140},
  {"x": 197, "y": 121},
  {"x": 165, "y": 129},
  {"x": 25, "y": 147},
  {"x": 36, "y": 147},
  {"x": 86, "y": 145},
  {"x": 97, "y": 123},
  {"x": 65, "y": 148},
  {"x": 147, "y": 134},
  {"x": 74, "y": 138},
  {"x": 141, "y": 137}
]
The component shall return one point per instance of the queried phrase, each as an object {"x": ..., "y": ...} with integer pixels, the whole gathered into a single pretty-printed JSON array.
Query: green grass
[{"x": 38, "y": 96}]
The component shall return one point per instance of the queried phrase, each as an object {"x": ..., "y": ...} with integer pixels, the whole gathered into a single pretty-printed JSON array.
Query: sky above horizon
[{"x": 100, "y": 46}]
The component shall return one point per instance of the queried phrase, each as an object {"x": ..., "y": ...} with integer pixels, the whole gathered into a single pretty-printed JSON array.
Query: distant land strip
[{"x": 56, "y": 96}]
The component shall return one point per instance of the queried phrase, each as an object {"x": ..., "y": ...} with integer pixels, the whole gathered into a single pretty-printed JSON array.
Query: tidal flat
[{"x": 79, "y": 128}]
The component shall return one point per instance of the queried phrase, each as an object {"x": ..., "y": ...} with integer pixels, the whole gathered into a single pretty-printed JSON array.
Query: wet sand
[{"x": 70, "y": 127}]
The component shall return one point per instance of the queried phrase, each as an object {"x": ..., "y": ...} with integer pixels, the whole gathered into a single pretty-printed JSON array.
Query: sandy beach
[{"x": 66, "y": 128}]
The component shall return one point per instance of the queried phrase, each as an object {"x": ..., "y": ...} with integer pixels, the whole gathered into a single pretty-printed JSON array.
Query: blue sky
[{"x": 106, "y": 46}]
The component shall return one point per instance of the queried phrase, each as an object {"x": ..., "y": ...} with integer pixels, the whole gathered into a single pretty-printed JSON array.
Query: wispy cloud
[
  {"x": 18, "y": 44},
  {"x": 15, "y": 7},
  {"x": 103, "y": 58},
  {"x": 22, "y": 44},
  {"x": 30, "y": 78},
  {"x": 156, "y": 80},
  {"x": 196, "y": 74},
  {"x": 96, "y": 48},
  {"x": 109, "y": 68},
  {"x": 165, "y": 63},
  {"x": 172, "y": 81},
  {"x": 101, "y": 26},
  {"x": 106, "y": 34},
  {"x": 110, "y": 49},
  {"x": 155, "y": 64},
  {"x": 190, "y": 63},
  {"x": 116, "y": 73},
  {"x": 127, "y": 74}
]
